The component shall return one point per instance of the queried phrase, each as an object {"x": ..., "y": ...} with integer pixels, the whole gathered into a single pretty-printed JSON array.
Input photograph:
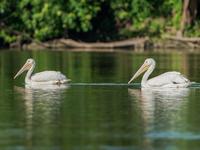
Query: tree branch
[
  {"x": 8, "y": 17},
  {"x": 8, "y": 30}
]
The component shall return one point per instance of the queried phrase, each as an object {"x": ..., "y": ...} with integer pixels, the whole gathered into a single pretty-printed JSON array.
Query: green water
[{"x": 97, "y": 109}]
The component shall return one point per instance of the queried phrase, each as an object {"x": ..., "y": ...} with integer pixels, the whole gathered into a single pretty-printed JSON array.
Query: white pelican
[
  {"x": 168, "y": 79},
  {"x": 45, "y": 77}
]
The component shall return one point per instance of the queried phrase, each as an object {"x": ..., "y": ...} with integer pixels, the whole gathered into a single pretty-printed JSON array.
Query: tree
[
  {"x": 45, "y": 20},
  {"x": 188, "y": 14},
  {"x": 36, "y": 20}
]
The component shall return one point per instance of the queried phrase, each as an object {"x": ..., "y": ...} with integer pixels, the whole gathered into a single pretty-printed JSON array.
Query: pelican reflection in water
[
  {"x": 45, "y": 77},
  {"x": 165, "y": 99},
  {"x": 169, "y": 79},
  {"x": 41, "y": 102},
  {"x": 154, "y": 104}
]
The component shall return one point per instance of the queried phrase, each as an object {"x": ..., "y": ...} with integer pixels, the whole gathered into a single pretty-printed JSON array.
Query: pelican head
[
  {"x": 29, "y": 63},
  {"x": 146, "y": 65}
]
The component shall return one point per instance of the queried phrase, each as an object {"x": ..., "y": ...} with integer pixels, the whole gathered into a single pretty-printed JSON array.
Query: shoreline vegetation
[
  {"x": 136, "y": 43},
  {"x": 139, "y": 24}
]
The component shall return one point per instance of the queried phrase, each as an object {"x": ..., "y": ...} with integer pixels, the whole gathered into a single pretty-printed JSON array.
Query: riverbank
[
  {"x": 168, "y": 42},
  {"x": 136, "y": 43}
]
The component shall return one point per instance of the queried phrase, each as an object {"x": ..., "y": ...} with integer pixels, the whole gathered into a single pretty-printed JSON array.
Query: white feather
[
  {"x": 168, "y": 79},
  {"x": 45, "y": 77}
]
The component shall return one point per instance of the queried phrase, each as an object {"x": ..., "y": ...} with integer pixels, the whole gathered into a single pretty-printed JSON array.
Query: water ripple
[
  {"x": 106, "y": 84},
  {"x": 173, "y": 135}
]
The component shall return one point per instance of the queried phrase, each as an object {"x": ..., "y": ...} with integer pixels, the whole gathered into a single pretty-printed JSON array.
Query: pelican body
[
  {"x": 45, "y": 77},
  {"x": 169, "y": 79}
]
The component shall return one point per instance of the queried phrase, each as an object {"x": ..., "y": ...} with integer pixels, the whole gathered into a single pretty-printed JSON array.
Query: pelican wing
[
  {"x": 47, "y": 76},
  {"x": 168, "y": 78}
]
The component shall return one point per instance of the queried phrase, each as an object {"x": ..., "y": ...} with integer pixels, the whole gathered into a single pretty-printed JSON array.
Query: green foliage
[
  {"x": 8, "y": 38},
  {"x": 145, "y": 15},
  {"x": 137, "y": 10},
  {"x": 49, "y": 19},
  {"x": 177, "y": 12},
  {"x": 192, "y": 31}
]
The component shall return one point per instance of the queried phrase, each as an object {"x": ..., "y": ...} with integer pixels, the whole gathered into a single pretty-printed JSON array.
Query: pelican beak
[
  {"x": 142, "y": 69},
  {"x": 26, "y": 66}
]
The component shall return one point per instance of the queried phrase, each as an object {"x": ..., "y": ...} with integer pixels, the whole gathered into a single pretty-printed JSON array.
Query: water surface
[{"x": 97, "y": 109}]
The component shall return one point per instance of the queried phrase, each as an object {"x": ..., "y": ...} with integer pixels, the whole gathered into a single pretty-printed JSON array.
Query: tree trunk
[{"x": 189, "y": 13}]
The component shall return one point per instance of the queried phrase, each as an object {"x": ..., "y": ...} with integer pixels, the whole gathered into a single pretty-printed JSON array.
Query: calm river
[{"x": 97, "y": 109}]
